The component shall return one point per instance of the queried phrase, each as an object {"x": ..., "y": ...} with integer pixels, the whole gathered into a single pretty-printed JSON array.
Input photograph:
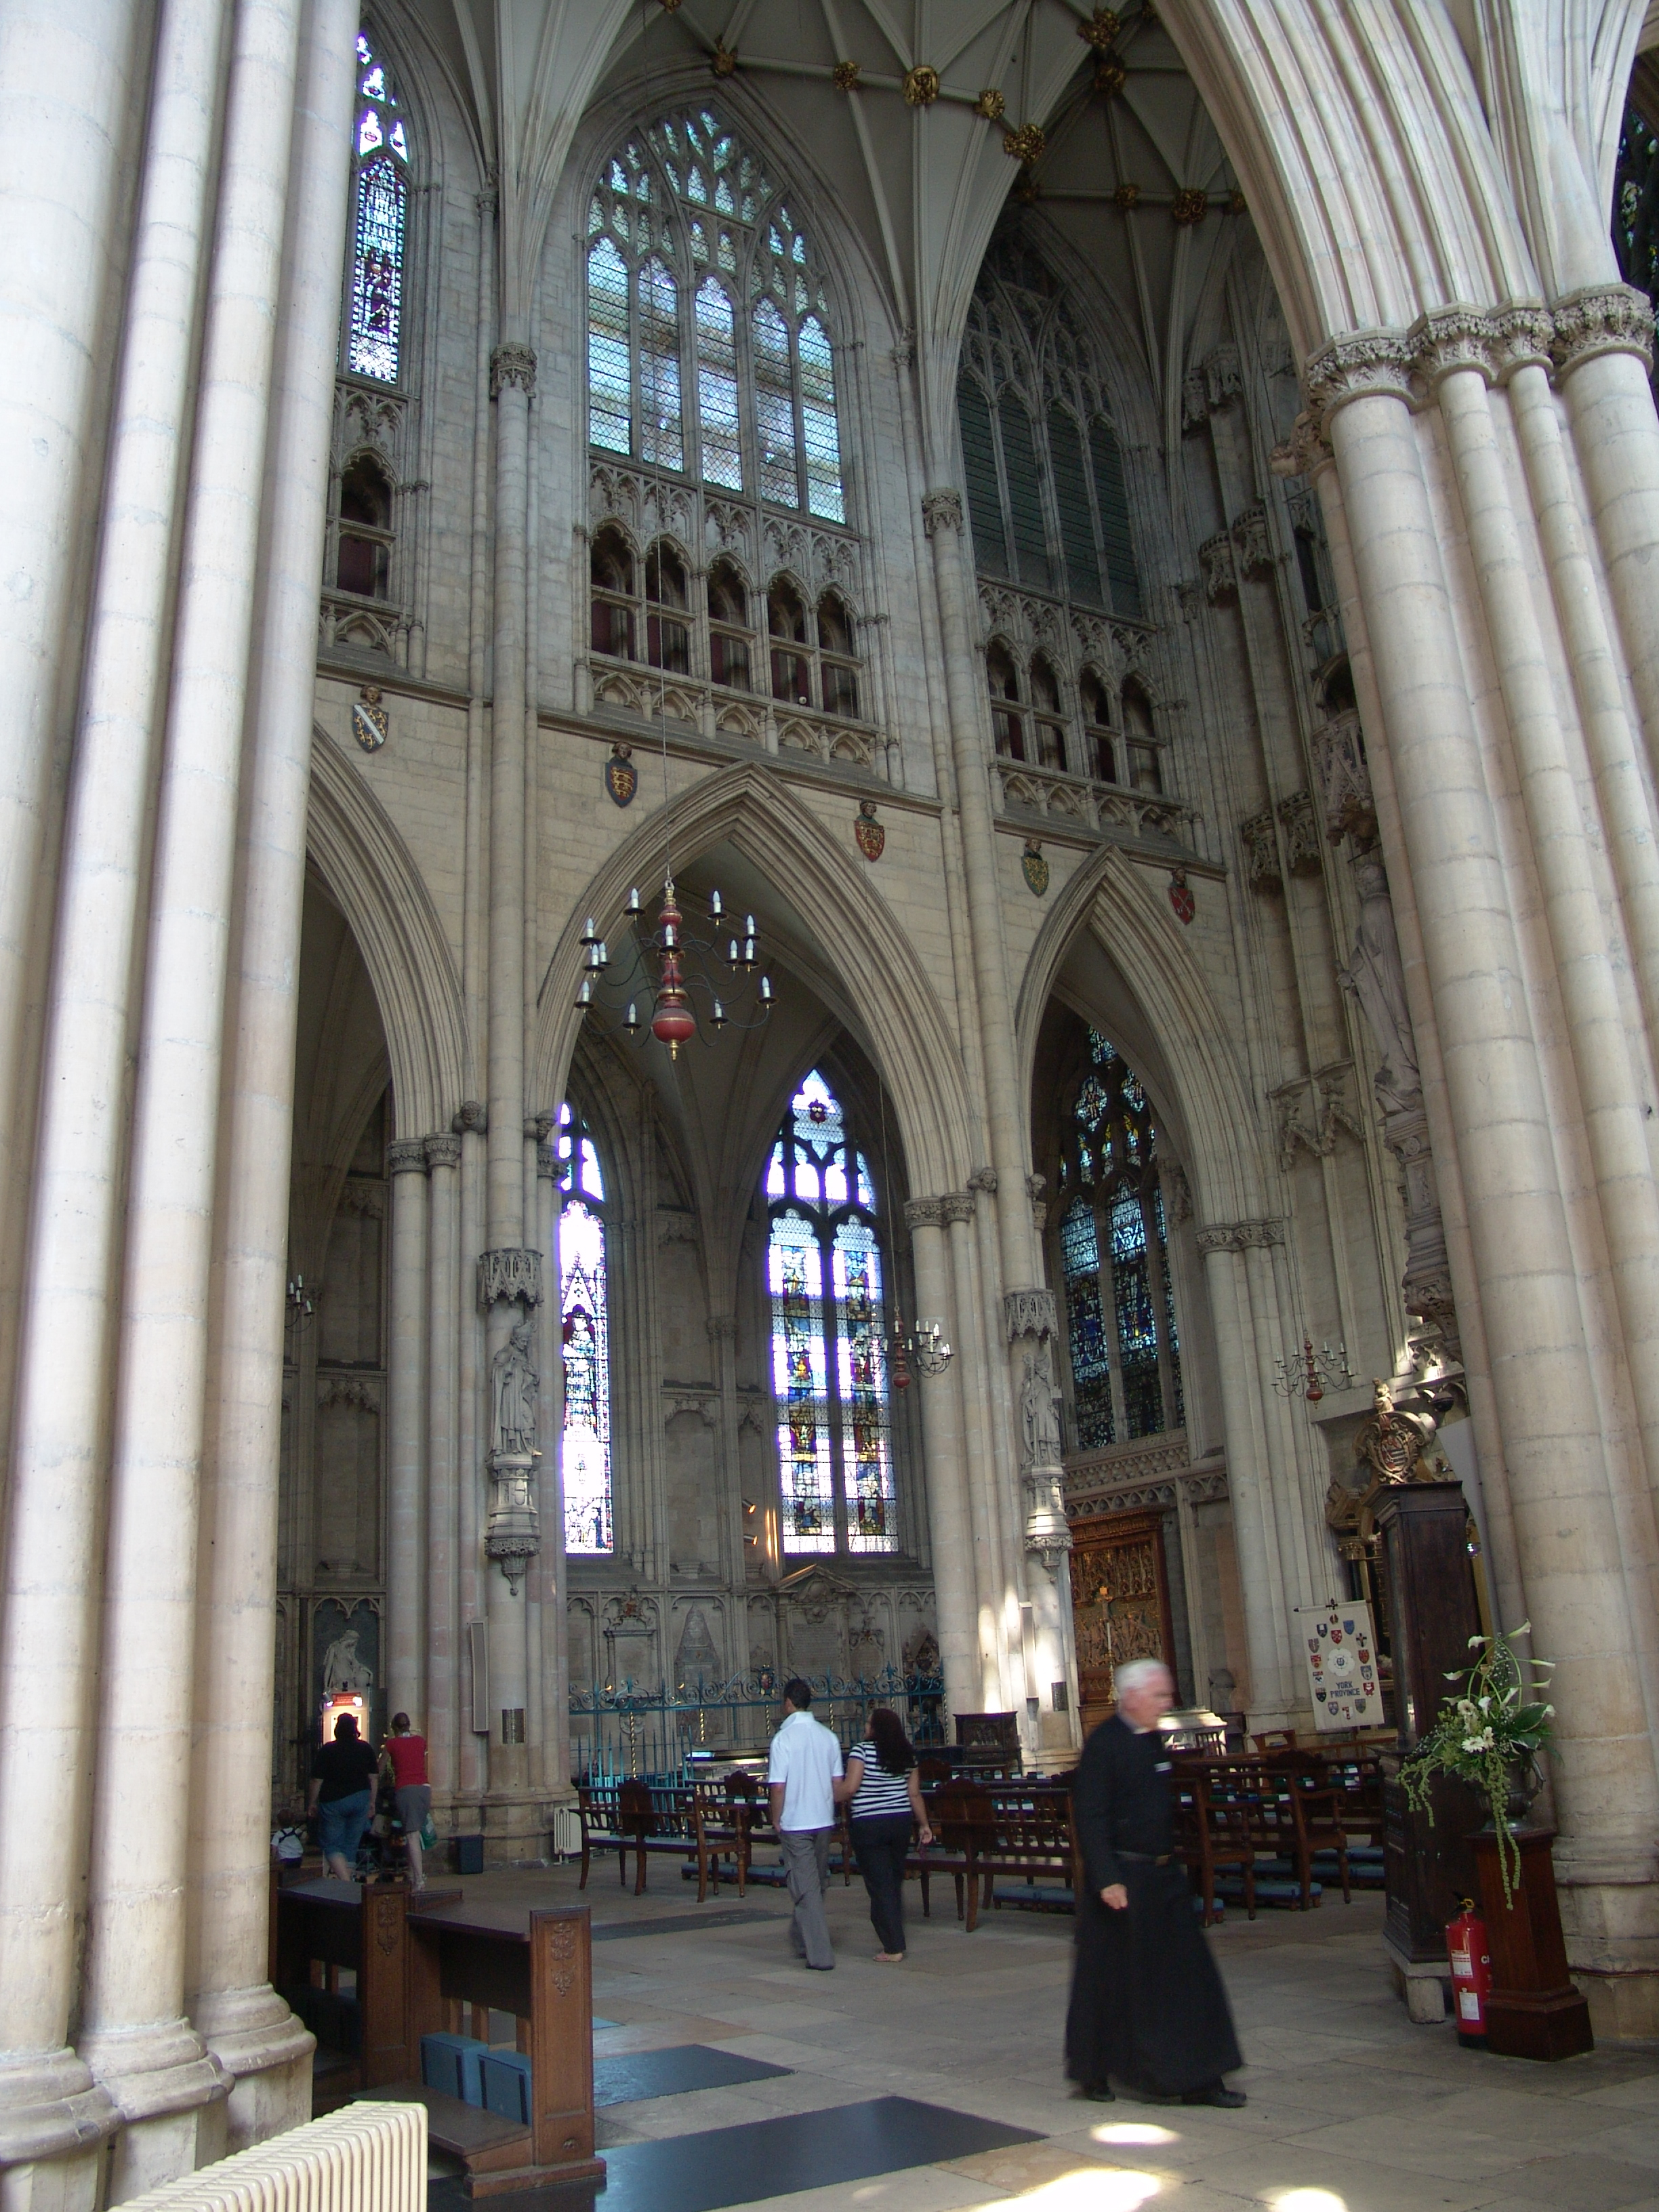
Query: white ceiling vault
[{"x": 919, "y": 171}]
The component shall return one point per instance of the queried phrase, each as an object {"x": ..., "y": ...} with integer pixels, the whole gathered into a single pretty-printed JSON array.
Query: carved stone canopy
[
  {"x": 513, "y": 1271},
  {"x": 1027, "y": 1313}
]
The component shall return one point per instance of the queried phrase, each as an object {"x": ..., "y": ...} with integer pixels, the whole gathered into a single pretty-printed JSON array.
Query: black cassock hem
[{"x": 1147, "y": 2002}]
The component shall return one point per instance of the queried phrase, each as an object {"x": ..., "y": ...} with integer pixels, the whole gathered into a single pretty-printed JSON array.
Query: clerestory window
[
  {"x": 709, "y": 321},
  {"x": 826, "y": 1273},
  {"x": 380, "y": 202}
]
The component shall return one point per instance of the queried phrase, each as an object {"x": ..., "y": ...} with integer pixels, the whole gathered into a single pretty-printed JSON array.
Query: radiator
[
  {"x": 566, "y": 1832},
  {"x": 364, "y": 2158}
]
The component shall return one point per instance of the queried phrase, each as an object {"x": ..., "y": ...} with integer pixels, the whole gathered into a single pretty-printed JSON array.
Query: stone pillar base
[
  {"x": 54, "y": 2122},
  {"x": 170, "y": 2095},
  {"x": 1623, "y": 2007},
  {"x": 516, "y": 1826},
  {"x": 1422, "y": 1986},
  {"x": 268, "y": 2054}
]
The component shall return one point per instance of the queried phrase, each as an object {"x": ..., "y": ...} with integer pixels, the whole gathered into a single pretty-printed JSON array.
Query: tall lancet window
[
  {"x": 584, "y": 1311},
  {"x": 1114, "y": 1254},
  {"x": 375, "y": 326},
  {"x": 825, "y": 1270}
]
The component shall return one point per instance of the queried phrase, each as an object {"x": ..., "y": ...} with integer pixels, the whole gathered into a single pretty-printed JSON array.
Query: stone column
[
  {"x": 556, "y": 1643},
  {"x": 1607, "y": 1797},
  {"x": 134, "y": 2035},
  {"x": 944, "y": 1459},
  {"x": 508, "y": 1268},
  {"x": 1609, "y": 1085},
  {"x": 472, "y": 1442},
  {"x": 987, "y": 1585},
  {"x": 408, "y": 1561},
  {"x": 244, "y": 2025},
  {"x": 1627, "y": 821},
  {"x": 1029, "y": 1319},
  {"x": 67, "y": 116},
  {"x": 1255, "y": 1527},
  {"x": 58, "y": 1409},
  {"x": 1603, "y": 350},
  {"x": 438, "y": 1713}
]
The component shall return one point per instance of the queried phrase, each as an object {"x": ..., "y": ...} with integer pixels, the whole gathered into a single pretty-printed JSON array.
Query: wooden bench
[
  {"x": 535, "y": 1962},
  {"x": 1282, "y": 1804},
  {"x": 691, "y": 1824},
  {"x": 1210, "y": 1836},
  {"x": 1023, "y": 1829},
  {"x": 747, "y": 1807},
  {"x": 326, "y": 1927}
]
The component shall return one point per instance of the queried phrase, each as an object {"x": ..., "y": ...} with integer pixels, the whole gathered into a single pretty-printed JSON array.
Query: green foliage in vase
[{"x": 1488, "y": 1734}]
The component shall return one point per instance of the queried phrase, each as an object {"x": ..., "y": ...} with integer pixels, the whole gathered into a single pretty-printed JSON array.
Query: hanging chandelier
[
  {"x": 674, "y": 972},
  {"x": 925, "y": 1346}
]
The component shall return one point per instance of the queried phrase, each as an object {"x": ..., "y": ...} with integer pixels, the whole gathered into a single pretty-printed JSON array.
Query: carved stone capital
[
  {"x": 1602, "y": 319},
  {"x": 1216, "y": 565},
  {"x": 1458, "y": 337},
  {"x": 1526, "y": 333},
  {"x": 511, "y": 1272},
  {"x": 1363, "y": 365},
  {"x": 547, "y": 1162},
  {"x": 941, "y": 510},
  {"x": 1253, "y": 552},
  {"x": 958, "y": 1206},
  {"x": 1027, "y": 1313},
  {"x": 983, "y": 1179},
  {"x": 443, "y": 1152},
  {"x": 473, "y": 1116},
  {"x": 1035, "y": 1187},
  {"x": 1304, "y": 452},
  {"x": 512, "y": 364},
  {"x": 924, "y": 1212},
  {"x": 406, "y": 1156}
]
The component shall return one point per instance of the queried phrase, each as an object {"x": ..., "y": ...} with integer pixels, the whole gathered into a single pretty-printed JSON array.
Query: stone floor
[{"x": 1352, "y": 2109}]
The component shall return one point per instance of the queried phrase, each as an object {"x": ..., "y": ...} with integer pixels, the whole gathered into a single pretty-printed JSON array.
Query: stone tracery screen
[
  {"x": 585, "y": 1331},
  {"x": 825, "y": 1273},
  {"x": 684, "y": 216},
  {"x": 1124, "y": 1349},
  {"x": 379, "y": 217}
]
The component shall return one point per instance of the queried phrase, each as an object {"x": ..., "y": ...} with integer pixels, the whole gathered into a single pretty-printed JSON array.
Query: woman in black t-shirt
[{"x": 342, "y": 1796}]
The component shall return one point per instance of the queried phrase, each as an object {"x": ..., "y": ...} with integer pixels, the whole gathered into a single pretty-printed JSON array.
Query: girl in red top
[{"x": 403, "y": 1757}]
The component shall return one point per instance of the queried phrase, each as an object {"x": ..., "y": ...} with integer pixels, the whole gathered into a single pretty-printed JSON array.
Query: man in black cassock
[{"x": 1147, "y": 2003}]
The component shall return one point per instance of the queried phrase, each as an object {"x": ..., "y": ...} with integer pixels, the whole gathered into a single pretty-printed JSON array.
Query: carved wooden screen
[{"x": 1119, "y": 1602}]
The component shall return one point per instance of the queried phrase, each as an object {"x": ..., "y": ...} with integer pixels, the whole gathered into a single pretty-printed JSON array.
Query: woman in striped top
[{"x": 884, "y": 1792}]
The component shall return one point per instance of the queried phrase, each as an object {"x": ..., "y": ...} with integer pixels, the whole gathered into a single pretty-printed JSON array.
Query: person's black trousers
[{"x": 881, "y": 1848}]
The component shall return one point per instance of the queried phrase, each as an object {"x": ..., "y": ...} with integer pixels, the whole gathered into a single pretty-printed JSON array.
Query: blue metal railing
[{"x": 623, "y": 1730}]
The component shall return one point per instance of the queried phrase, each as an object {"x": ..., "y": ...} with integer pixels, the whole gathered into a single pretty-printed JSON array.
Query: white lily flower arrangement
[{"x": 1499, "y": 1723}]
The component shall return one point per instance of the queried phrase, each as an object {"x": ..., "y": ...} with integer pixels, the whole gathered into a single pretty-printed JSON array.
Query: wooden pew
[
  {"x": 320, "y": 1928},
  {"x": 535, "y": 1962}
]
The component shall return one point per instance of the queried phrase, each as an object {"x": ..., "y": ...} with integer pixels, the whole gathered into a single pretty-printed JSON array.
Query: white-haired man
[{"x": 1148, "y": 2004}]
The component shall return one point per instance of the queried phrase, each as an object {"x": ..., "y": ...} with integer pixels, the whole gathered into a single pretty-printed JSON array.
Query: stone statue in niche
[
  {"x": 515, "y": 1385},
  {"x": 1039, "y": 1412},
  {"x": 1377, "y": 978},
  {"x": 344, "y": 1668}
]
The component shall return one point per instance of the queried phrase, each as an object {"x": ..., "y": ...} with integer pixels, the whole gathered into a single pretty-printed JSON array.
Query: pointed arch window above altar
[
  {"x": 584, "y": 1341},
  {"x": 827, "y": 1276}
]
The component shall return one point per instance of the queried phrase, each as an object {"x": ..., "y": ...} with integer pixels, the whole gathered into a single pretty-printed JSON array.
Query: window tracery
[
  {"x": 1044, "y": 478},
  {"x": 825, "y": 1273},
  {"x": 685, "y": 212},
  {"x": 584, "y": 1341},
  {"x": 1123, "y": 1345}
]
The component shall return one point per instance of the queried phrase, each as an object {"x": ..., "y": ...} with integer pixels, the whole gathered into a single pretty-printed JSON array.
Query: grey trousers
[{"x": 806, "y": 1867}]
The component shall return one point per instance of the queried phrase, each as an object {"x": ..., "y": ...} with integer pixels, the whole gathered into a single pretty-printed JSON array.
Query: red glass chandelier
[{"x": 675, "y": 970}]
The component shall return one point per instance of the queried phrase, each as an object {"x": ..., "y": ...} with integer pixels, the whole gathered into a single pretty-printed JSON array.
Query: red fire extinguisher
[{"x": 1471, "y": 1972}]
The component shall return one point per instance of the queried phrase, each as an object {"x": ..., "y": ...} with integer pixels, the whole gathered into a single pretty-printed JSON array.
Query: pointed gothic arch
[
  {"x": 909, "y": 1036},
  {"x": 374, "y": 879}
]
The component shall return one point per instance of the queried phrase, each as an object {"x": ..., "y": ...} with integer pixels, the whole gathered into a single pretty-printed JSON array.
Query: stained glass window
[
  {"x": 380, "y": 217},
  {"x": 1114, "y": 1245},
  {"x": 825, "y": 1273},
  {"x": 671, "y": 208},
  {"x": 585, "y": 1331}
]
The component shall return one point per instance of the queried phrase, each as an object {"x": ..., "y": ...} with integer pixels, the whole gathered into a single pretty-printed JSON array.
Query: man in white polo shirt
[{"x": 805, "y": 1761}]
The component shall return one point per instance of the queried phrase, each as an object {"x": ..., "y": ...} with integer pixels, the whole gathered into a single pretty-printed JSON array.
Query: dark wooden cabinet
[{"x": 1429, "y": 1867}]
